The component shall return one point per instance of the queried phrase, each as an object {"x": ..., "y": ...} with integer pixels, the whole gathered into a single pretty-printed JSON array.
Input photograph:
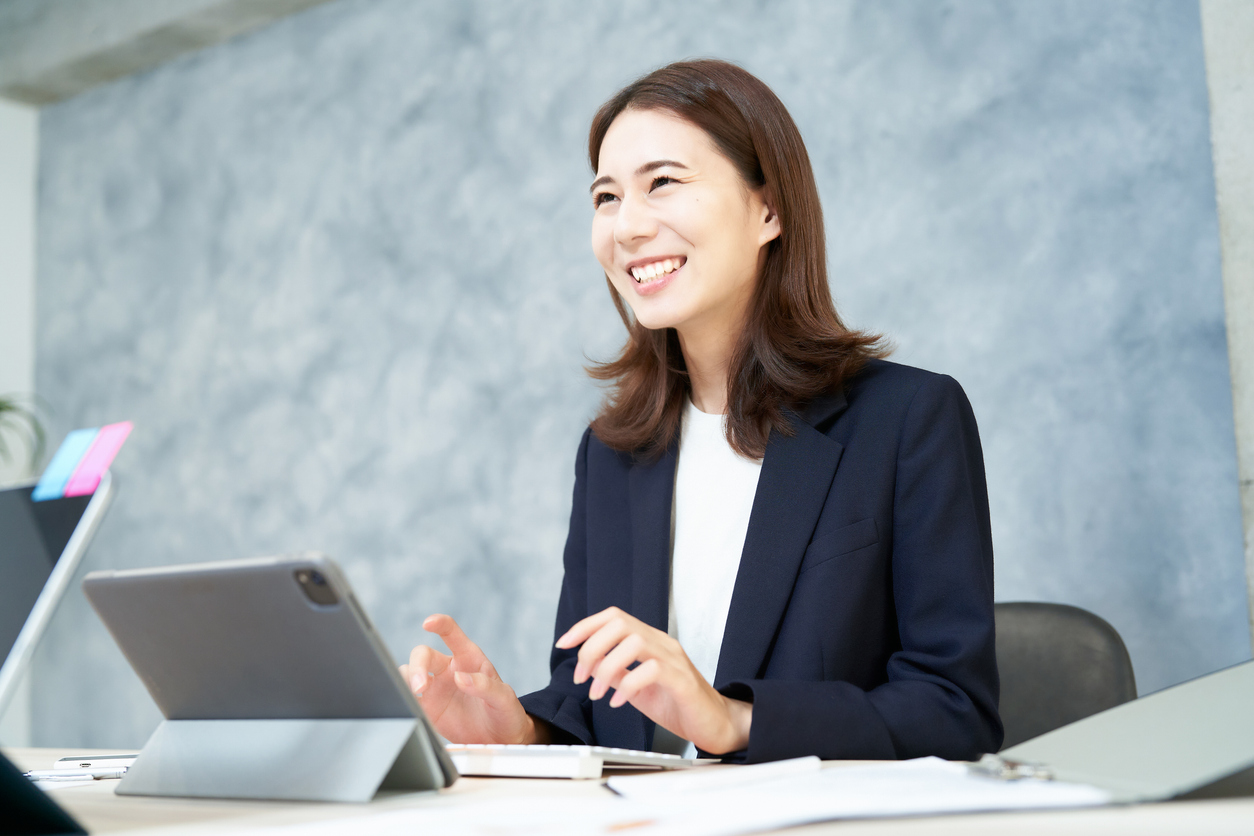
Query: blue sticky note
[{"x": 61, "y": 468}]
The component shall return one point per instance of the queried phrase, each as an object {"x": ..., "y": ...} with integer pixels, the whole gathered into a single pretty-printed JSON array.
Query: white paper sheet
[
  {"x": 926, "y": 786},
  {"x": 662, "y": 785}
]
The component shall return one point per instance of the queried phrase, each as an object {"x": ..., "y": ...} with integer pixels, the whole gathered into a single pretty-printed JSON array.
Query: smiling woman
[
  {"x": 781, "y": 334},
  {"x": 779, "y": 542}
]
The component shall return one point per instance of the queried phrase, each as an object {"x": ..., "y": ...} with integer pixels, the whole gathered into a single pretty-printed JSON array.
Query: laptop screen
[{"x": 33, "y": 536}]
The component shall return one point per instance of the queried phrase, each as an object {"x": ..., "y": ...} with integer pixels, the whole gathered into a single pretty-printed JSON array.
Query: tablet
[
  {"x": 41, "y": 545},
  {"x": 272, "y": 638}
]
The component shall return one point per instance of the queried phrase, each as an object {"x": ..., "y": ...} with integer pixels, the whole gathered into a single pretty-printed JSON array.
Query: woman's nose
[{"x": 634, "y": 220}]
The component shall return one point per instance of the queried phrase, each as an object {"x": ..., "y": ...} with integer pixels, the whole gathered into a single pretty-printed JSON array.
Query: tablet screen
[{"x": 34, "y": 535}]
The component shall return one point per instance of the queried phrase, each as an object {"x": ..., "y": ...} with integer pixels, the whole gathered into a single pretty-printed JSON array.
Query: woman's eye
[
  {"x": 662, "y": 181},
  {"x": 601, "y": 198}
]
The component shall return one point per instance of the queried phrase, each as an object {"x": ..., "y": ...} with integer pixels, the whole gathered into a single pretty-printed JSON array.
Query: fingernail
[
  {"x": 416, "y": 683},
  {"x": 462, "y": 678},
  {"x": 580, "y": 674}
]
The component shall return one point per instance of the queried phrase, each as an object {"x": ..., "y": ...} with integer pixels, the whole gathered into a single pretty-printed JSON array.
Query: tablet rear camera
[{"x": 316, "y": 588}]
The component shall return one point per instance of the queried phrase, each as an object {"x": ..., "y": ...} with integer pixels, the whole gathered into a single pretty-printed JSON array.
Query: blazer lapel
[
  {"x": 650, "y": 484},
  {"x": 650, "y": 487},
  {"x": 796, "y": 476}
]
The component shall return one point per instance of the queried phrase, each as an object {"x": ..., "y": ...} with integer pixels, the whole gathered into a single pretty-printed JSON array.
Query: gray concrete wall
[
  {"x": 337, "y": 272},
  {"x": 1229, "y": 38}
]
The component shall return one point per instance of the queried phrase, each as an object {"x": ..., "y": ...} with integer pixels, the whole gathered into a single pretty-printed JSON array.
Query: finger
[
  {"x": 427, "y": 660},
  {"x": 580, "y": 631},
  {"x": 614, "y": 666},
  {"x": 466, "y": 652},
  {"x": 600, "y": 643},
  {"x": 645, "y": 674},
  {"x": 492, "y": 690},
  {"x": 424, "y": 663}
]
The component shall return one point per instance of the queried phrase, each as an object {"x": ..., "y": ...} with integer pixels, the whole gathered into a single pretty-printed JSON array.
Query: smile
[{"x": 643, "y": 274}]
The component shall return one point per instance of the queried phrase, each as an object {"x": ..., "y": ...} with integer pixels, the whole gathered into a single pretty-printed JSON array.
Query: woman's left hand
[{"x": 665, "y": 686}]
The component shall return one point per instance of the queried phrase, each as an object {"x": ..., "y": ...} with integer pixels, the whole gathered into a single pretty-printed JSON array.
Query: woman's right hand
[{"x": 462, "y": 694}]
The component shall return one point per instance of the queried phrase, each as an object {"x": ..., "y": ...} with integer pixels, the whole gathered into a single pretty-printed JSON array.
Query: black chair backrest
[{"x": 1058, "y": 664}]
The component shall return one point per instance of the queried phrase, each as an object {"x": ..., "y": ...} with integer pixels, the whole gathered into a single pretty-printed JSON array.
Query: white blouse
[{"x": 714, "y": 490}]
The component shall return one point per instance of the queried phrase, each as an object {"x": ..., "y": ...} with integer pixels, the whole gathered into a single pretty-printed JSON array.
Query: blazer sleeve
[
  {"x": 941, "y": 693},
  {"x": 562, "y": 704}
]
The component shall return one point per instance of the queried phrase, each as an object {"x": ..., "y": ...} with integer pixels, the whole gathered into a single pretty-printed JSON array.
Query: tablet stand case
[
  {"x": 1193, "y": 740},
  {"x": 299, "y": 760},
  {"x": 266, "y": 692}
]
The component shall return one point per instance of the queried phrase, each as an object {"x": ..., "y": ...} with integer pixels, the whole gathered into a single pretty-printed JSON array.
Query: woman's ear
[{"x": 770, "y": 228}]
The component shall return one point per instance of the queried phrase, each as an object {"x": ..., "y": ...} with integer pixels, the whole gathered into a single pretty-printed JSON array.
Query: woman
[{"x": 779, "y": 542}]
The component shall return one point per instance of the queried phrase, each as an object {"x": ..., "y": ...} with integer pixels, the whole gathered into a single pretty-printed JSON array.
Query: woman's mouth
[{"x": 656, "y": 272}]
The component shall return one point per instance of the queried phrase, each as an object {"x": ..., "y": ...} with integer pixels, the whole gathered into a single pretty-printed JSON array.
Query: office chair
[{"x": 1058, "y": 664}]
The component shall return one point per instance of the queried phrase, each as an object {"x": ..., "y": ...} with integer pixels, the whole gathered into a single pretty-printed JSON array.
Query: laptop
[{"x": 41, "y": 545}]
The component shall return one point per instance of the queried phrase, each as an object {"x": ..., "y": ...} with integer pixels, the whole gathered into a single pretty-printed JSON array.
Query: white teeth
[{"x": 655, "y": 269}]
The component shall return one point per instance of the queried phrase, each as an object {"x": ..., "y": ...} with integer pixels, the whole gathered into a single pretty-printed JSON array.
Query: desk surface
[{"x": 101, "y": 811}]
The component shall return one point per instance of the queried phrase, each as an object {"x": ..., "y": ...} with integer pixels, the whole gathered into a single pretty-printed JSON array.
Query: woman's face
[{"x": 679, "y": 233}]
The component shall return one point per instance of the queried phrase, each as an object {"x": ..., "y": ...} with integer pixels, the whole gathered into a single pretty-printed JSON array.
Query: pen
[{"x": 76, "y": 774}]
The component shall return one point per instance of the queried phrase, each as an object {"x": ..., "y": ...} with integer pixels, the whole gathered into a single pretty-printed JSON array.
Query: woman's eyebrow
[
  {"x": 644, "y": 169},
  {"x": 656, "y": 164}
]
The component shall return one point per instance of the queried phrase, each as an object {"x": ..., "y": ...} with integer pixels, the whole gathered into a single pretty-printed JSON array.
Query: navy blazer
[{"x": 861, "y": 623}]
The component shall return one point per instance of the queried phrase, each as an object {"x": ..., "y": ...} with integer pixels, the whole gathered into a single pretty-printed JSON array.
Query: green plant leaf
[{"x": 17, "y": 420}]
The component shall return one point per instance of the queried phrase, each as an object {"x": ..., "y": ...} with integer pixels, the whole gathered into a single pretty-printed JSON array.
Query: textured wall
[{"x": 337, "y": 273}]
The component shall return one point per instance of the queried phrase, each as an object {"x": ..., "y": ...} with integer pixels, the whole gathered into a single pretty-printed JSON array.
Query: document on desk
[
  {"x": 926, "y": 786},
  {"x": 784, "y": 797}
]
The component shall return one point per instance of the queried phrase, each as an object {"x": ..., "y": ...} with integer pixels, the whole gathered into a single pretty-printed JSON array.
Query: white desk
[{"x": 101, "y": 811}]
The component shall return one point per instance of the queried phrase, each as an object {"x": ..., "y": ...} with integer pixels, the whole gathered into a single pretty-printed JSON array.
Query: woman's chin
[
  {"x": 657, "y": 320},
  {"x": 676, "y": 307}
]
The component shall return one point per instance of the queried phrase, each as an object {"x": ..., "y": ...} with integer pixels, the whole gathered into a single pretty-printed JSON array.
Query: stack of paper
[
  {"x": 720, "y": 801},
  {"x": 926, "y": 786}
]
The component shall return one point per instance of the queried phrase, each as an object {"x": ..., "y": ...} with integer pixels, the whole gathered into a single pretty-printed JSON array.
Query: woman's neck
[{"x": 707, "y": 356}]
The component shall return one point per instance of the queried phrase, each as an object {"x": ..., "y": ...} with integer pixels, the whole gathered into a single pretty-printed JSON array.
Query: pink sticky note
[{"x": 97, "y": 459}]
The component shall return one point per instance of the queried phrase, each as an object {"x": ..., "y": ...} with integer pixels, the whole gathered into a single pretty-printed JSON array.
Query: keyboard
[{"x": 554, "y": 761}]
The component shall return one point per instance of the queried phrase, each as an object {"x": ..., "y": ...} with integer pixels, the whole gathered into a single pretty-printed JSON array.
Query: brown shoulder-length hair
[{"x": 794, "y": 346}]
